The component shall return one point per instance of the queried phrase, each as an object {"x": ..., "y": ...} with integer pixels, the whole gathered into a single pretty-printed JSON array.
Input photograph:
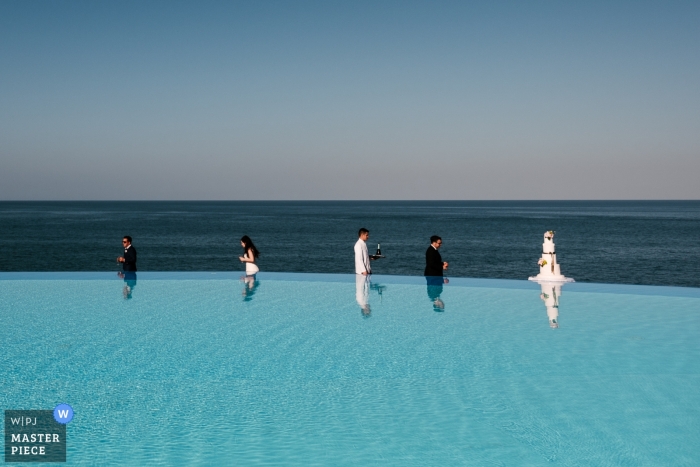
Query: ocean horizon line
[{"x": 611, "y": 200}]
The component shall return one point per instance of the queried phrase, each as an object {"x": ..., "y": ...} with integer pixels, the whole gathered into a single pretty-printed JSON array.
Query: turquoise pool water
[{"x": 187, "y": 369}]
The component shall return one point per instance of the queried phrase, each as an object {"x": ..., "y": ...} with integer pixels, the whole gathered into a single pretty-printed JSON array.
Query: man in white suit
[{"x": 362, "y": 257}]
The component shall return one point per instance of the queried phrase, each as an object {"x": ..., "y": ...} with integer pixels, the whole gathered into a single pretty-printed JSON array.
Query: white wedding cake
[{"x": 549, "y": 267}]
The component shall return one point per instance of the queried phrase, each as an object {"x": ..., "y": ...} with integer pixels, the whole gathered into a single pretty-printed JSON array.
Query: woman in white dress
[{"x": 250, "y": 254}]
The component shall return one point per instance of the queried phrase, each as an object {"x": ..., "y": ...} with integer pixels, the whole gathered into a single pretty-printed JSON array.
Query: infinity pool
[{"x": 299, "y": 369}]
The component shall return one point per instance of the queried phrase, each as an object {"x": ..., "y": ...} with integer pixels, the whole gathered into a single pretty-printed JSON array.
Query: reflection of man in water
[
  {"x": 129, "y": 283},
  {"x": 250, "y": 286},
  {"x": 362, "y": 286},
  {"x": 434, "y": 288},
  {"x": 434, "y": 269}
]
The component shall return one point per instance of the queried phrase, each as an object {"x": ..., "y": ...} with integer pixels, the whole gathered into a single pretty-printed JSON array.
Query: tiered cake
[{"x": 549, "y": 268}]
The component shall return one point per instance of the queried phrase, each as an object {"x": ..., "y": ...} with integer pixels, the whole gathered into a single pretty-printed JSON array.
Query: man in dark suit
[
  {"x": 129, "y": 259},
  {"x": 434, "y": 266}
]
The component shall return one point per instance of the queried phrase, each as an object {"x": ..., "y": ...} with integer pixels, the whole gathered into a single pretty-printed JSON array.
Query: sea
[{"x": 625, "y": 242}]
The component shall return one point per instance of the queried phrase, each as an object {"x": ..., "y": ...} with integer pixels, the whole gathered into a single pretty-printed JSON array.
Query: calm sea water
[{"x": 654, "y": 243}]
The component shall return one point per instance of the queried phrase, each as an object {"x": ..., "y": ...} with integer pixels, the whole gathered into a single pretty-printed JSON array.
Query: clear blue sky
[{"x": 349, "y": 100}]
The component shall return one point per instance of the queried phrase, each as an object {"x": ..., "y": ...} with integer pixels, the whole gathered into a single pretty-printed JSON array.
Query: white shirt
[{"x": 361, "y": 258}]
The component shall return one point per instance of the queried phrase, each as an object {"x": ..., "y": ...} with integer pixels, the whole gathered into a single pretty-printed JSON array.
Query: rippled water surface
[
  {"x": 295, "y": 369},
  {"x": 635, "y": 242}
]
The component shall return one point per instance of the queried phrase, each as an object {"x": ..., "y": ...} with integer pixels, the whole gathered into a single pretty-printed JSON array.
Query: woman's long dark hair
[{"x": 248, "y": 245}]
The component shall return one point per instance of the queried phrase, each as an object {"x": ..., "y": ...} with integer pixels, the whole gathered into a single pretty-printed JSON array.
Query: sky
[{"x": 296, "y": 100}]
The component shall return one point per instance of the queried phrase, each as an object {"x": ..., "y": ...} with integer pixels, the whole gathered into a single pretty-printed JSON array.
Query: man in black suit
[
  {"x": 129, "y": 259},
  {"x": 434, "y": 266}
]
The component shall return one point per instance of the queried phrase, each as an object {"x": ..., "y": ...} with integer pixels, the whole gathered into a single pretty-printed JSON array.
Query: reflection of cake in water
[
  {"x": 549, "y": 267},
  {"x": 550, "y": 296}
]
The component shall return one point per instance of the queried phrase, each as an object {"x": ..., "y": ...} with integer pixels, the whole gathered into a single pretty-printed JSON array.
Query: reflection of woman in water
[
  {"x": 250, "y": 285},
  {"x": 250, "y": 254}
]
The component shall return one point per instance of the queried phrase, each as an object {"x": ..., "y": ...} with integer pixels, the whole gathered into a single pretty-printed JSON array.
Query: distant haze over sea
[
  {"x": 632, "y": 242},
  {"x": 220, "y": 100}
]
